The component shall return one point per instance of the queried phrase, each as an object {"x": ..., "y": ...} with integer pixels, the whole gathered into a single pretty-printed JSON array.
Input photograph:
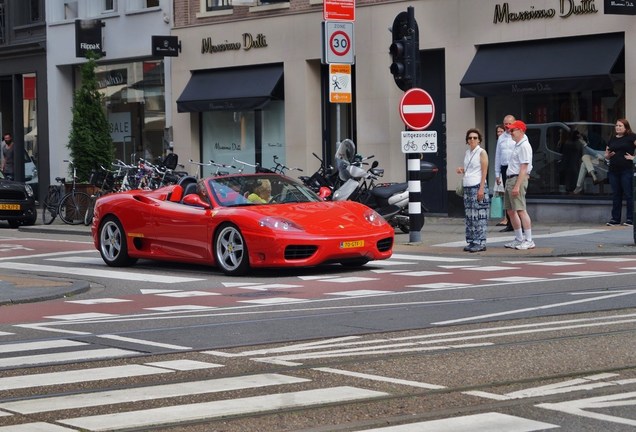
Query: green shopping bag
[{"x": 496, "y": 207}]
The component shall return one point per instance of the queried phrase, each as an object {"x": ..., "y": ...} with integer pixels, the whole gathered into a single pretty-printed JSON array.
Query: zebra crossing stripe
[
  {"x": 112, "y": 397},
  {"x": 221, "y": 408},
  {"x": 35, "y": 427},
  {"x": 33, "y": 360},
  {"x": 107, "y": 274},
  {"x": 32, "y": 346},
  {"x": 487, "y": 421}
]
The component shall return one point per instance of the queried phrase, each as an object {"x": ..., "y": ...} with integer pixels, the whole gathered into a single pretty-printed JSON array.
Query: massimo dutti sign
[
  {"x": 248, "y": 41},
  {"x": 563, "y": 9}
]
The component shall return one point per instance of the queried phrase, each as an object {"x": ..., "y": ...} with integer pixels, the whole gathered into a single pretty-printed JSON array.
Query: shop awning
[
  {"x": 544, "y": 66},
  {"x": 234, "y": 89}
]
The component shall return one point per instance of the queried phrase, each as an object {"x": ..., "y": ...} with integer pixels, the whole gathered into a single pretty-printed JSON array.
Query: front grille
[
  {"x": 299, "y": 252},
  {"x": 11, "y": 195},
  {"x": 385, "y": 244}
]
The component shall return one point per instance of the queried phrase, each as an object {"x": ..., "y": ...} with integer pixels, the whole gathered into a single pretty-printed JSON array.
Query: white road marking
[
  {"x": 389, "y": 262},
  {"x": 184, "y": 365},
  {"x": 585, "y": 273},
  {"x": 273, "y": 300},
  {"x": 79, "y": 376},
  {"x": 157, "y": 291},
  {"x": 491, "y": 421},
  {"x": 544, "y": 307},
  {"x": 440, "y": 286},
  {"x": 555, "y": 263},
  {"x": 585, "y": 383},
  {"x": 80, "y": 316},
  {"x": 180, "y": 308},
  {"x": 380, "y": 378},
  {"x": 222, "y": 408},
  {"x": 35, "y": 427},
  {"x": 422, "y": 273},
  {"x": 96, "y": 354},
  {"x": 356, "y": 293},
  {"x": 143, "y": 342},
  {"x": 107, "y": 274},
  {"x": 42, "y": 345},
  {"x": 111, "y": 397},
  {"x": 184, "y": 294},
  {"x": 267, "y": 287},
  {"x": 491, "y": 268},
  {"x": 613, "y": 259},
  {"x": 351, "y": 279},
  {"x": 510, "y": 279},
  {"x": 431, "y": 258},
  {"x": 79, "y": 260},
  {"x": 579, "y": 407},
  {"x": 98, "y": 301}
]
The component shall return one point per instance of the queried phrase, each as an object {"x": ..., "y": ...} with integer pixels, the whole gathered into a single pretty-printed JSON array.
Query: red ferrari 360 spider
[{"x": 220, "y": 221}]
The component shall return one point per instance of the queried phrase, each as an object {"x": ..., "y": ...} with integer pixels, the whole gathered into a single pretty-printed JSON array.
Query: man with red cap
[{"x": 519, "y": 168}]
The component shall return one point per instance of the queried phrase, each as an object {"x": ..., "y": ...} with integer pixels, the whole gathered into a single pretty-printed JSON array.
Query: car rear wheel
[
  {"x": 112, "y": 244},
  {"x": 230, "y": 251}
]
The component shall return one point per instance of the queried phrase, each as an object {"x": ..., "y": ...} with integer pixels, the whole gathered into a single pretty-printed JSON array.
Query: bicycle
[
  {"x": 70, "y": 207},
  {"x": 105, "y": 180}
]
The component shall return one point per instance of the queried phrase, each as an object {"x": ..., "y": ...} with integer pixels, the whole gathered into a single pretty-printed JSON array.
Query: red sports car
[{"x": 220, "y": 221}]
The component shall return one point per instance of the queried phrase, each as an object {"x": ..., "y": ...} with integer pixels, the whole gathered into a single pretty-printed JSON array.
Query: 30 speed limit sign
[{"x": 338, "y": 42}]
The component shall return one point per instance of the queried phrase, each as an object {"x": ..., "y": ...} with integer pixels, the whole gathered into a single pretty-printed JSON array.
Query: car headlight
[
  {"x": 279, "y": 224},
  {"x": 373, "y": 217},
  {"x": 29, "y": 190}
]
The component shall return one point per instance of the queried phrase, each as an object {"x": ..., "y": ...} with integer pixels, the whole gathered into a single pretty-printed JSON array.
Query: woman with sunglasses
[{"x": 476, "y": 196}]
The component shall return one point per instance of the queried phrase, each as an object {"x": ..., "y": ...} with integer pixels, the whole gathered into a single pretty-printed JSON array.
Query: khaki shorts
[{"x": 519, "y": 202}]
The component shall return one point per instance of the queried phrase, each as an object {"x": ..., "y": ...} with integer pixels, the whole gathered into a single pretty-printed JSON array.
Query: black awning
[
  {"x": 234, "y": 89},
  {"x": 544, "y": 66}
]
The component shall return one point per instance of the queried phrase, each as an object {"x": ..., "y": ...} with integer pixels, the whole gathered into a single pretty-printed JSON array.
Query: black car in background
[{"x": 17, "y": 203}]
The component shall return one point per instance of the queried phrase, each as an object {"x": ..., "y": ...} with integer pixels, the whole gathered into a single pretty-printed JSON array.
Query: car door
[{"x": 182, "y": 232}]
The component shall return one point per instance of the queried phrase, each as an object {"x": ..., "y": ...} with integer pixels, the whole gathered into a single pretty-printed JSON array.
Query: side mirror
[
  {"x": 195, "y": 200},
  {"x": 324, "y": 192},
  {"x": 375, "y": 164}
]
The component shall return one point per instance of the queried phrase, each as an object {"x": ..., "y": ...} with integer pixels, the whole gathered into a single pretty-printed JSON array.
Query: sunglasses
[{"x": 473, "y": 138}]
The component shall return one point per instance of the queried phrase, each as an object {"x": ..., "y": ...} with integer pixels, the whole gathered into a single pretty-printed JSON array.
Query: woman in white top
[{"x": 476, "y": 196}]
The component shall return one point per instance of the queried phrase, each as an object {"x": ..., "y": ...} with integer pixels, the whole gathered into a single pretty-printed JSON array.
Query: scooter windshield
[{"x": 345, "y": 155}]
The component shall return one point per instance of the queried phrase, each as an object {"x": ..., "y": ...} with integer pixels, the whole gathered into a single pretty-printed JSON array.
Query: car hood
[{"x": 321, "y": 217}]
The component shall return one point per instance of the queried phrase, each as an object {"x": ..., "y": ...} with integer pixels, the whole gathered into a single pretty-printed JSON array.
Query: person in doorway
[
  {"x": 476, "y": 197},
  {"x": 620, "y": 153},
  {"x": 7, "y": 156},
  {"x": 519, "y": 168},
  {"x": 502, "y": 158}
]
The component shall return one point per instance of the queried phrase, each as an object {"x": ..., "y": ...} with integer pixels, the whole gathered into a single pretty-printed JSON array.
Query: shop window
[
  {"x": 134, "y": 98},
  {"x": 250, "y": 136},
  {"x": 564, "y": 129}
]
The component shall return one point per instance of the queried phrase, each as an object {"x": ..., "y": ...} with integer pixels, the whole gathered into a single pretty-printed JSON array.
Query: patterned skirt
[{"x": 477, "y": 213}]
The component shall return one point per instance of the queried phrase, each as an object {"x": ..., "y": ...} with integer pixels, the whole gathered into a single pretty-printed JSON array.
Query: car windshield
[{"x": 246, "y": 190}]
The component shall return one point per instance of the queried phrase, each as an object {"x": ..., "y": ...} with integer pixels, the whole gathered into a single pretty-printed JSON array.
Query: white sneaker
[
  {"x": 526, "y": 244},
  {"x": 513, "y": 244}
]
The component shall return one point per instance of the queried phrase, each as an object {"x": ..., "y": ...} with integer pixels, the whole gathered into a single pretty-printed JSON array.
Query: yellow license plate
[
  {"x": 352, "y": 244},
  {"x": 9, "y": 206}
]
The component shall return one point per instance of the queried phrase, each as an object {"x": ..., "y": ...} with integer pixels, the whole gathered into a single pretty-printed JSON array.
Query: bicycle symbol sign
[{"x": 419, "y": 142}]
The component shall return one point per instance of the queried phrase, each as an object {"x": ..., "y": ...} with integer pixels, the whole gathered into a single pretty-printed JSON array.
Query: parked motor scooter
[
  {"x": 324, "y": 181},
  {"x": 390, "y": 200}
]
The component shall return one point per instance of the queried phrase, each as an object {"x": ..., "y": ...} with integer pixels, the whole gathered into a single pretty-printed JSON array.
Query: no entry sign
[{"x": 417, "y": 109}]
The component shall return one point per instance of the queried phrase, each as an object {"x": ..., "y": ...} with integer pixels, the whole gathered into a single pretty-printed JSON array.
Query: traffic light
[{"x": 404, "y": 50}]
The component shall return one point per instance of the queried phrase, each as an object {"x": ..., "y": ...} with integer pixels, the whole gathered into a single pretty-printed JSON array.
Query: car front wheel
[
  {"x": 230, "y": 251},
  {"x": 112, "y": 244}
]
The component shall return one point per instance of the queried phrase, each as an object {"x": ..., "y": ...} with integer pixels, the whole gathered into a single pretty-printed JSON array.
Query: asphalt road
[{"x": 496, "y": 341}]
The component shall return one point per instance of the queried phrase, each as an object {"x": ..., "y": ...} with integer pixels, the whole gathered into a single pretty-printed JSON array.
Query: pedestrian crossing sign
[{"x": 340, "y": 83}]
